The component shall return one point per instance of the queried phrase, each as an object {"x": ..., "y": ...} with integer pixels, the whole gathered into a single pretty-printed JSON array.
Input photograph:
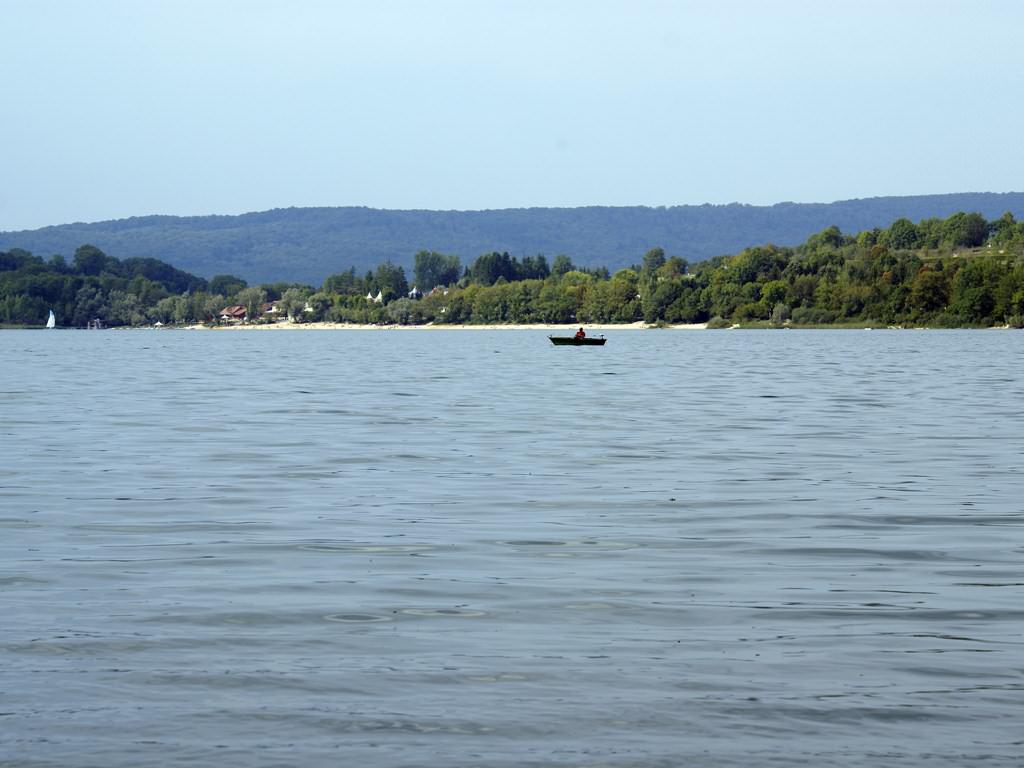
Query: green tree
[
  {"x": 774, "y": 292},
  {"x": 558, "y": 303},
  {"x": 623, "y": 297},
  {"x": 491, "y": 267},
  {"x": 209, "y": 307},
  {"x": 758, "y": 264},
  {"x": 172, "y": 309},
  {"x": 227, "y": 285},
  {"x": 252, "y": 299},
  {"x": 653, "y": 260},
  {"x": 402, "y": 311},
  {"x": 830, "y": 237},
  {"x": 491, "y": 304},
  {"x": 390, "y": 281},
  {"x": 801, "y": 291},
  {"x": 90, "y": 303},
  {"x": 1003, "y": 229},
  {"x": 973, "y": 290},
  {"x": 902, "y": 235},
  {"x": 123, "y": 308},
  {"x": 929, "y": 292},
  {"x": 780, "y": 314},
  {"x": 90, "y": 260},
  {"x": 689, "y": 307},
  {"x": 673, "y": 267},
  {"x": 319, "y": 303},
  {"x": 431, "y": 269},
  {"x": 292, "y": 303},
  {"x": 929, "y": 233},
  {"x": 533, "y": 268},
  {"x": 967, "y": 230},
  {"x": 562, "y": 265},
  {"x": 344, "y": 283},
  {"x": 868, "y": 238}
]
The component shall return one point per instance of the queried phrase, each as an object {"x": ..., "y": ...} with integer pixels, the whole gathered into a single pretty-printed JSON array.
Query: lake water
[{"x": 473, "y": 548}]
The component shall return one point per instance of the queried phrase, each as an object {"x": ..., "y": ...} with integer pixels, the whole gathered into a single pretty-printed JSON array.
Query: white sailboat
[{"x": 51, "y": 321}]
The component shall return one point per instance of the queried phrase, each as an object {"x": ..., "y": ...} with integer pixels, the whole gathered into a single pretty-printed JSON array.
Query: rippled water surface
[{"x": 476, "y": 549}]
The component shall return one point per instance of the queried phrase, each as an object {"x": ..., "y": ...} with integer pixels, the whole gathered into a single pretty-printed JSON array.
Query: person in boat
[{"x": 580, "y": 334}]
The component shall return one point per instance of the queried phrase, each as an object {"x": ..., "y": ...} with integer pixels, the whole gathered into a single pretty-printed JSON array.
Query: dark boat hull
[{"x": 570, "y": 341}]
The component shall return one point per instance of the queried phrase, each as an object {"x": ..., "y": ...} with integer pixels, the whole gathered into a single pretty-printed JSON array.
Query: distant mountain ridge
[{"x": 307, "y": 244}]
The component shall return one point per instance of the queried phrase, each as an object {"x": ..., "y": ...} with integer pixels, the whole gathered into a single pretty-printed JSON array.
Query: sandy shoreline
[{"x": 567, "y": 328}]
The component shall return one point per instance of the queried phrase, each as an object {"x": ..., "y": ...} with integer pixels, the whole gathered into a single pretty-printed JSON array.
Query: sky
[{"x": 113, "y": 109}]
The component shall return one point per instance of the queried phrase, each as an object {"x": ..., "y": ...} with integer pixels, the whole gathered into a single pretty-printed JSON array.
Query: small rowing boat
[{"x": 572, "y": 341}]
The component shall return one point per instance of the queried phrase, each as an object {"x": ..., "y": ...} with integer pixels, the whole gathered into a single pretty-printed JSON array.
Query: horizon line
[{"x": 491, "y": 210}]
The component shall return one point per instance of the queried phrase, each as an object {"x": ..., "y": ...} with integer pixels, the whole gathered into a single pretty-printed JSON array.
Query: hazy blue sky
[{"x": 114, "y": 109}]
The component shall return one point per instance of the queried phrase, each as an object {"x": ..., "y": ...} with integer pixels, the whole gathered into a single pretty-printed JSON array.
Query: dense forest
[
  {"x": 304, "y": 245},
  {"x": 963, "y": 270}
]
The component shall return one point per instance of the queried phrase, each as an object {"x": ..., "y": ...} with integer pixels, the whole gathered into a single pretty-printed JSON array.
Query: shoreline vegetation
[
  {"x": 565, "y": 328},
  {"x": 286, "y": 325},
  {"x": 569, "y": 328},
  {"x": 959, "y": 272}
]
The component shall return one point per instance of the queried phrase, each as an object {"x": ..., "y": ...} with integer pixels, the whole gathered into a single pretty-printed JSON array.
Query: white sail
[{"x": 51, "y": 321}]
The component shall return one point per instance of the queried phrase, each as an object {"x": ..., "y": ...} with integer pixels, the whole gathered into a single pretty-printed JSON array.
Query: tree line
[{"x": 963, "y": 270}]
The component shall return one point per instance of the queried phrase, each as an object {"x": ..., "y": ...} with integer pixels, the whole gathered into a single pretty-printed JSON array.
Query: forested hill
[{"x": 307, "y": 244}]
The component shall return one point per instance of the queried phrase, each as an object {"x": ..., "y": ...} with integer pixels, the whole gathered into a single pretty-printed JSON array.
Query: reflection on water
[{"x": 398, "y": 549}]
